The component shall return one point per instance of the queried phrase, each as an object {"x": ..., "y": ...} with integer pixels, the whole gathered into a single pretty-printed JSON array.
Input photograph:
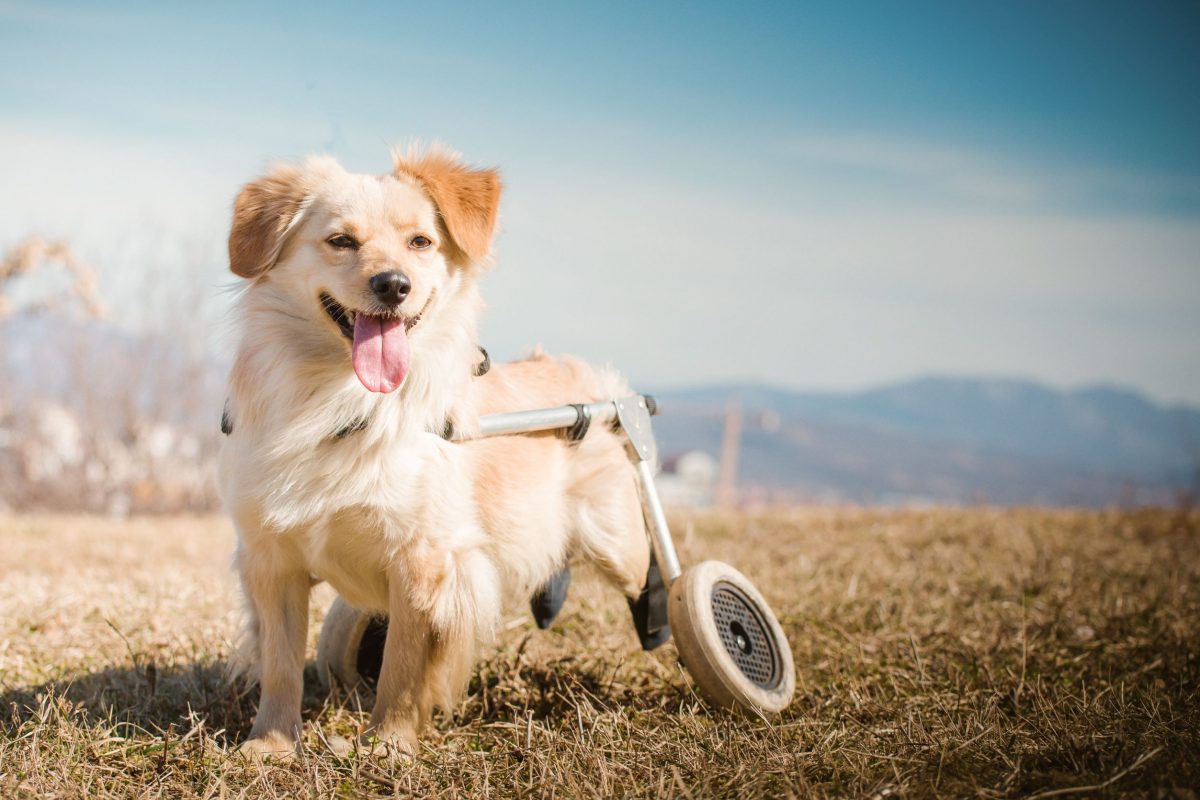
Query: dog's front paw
[
  {"x": 392, "y": 746},
  {"x": 270, "y": 745}
]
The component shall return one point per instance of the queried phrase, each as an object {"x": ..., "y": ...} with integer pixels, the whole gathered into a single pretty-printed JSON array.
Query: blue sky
[{"x": 814, "y": 195}]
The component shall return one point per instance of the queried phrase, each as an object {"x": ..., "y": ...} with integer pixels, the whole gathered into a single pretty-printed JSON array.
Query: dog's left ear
[
  {"x": 467, "y": 199},
  {"x": 265, "y": 212}
]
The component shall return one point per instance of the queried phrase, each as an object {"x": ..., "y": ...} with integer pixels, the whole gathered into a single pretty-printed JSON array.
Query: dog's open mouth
[
  {"x": 378, "y": 343},
  {"x": 344, "y": 317}
]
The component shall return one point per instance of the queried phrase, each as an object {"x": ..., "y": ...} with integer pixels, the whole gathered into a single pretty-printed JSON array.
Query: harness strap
[
  {"x": 483, "y": 367},
  {"x": 354, "y": 427},
  {"x": 583, "y": 421}
]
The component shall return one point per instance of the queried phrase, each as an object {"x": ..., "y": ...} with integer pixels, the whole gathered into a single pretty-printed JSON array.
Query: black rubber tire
[{"x": 762, "y": 677}]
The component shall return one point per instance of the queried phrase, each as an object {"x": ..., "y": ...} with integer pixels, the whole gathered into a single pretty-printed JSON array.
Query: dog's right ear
[
  {"x": 266, "y": 211},
  {"x": 467, "y": 199}
]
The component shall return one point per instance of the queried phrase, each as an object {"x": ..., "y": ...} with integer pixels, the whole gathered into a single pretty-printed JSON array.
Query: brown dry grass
[{"x": 941, "y": 653}]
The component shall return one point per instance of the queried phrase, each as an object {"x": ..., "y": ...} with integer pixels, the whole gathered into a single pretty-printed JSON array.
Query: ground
[{"x": 938, "y": 653}]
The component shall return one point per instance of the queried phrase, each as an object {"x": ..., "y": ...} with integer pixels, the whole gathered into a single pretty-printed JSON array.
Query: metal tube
[
  {"x": 660, "y": 534},
  {"x": 539, "y": 419}
]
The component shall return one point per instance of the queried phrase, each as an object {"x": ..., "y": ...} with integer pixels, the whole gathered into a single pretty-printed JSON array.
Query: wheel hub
[{"x": 746, "y": 636}]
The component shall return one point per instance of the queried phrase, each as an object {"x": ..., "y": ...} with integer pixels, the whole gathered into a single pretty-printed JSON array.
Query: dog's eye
[
  {"x": 420, "y": 242},
  {"x": 342, "y": 242}
]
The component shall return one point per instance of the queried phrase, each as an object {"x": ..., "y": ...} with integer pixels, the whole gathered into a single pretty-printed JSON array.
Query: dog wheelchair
[{"x": 726, "y": 635}]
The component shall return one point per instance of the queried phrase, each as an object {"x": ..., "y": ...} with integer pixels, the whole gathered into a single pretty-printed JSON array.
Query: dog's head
[{"x": 366, "y": 254}]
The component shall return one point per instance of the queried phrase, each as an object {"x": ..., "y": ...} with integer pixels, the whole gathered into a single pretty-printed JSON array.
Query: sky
[{"x": 812, "y": 195}]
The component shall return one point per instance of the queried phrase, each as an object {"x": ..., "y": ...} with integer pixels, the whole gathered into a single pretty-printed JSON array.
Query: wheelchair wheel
[
  {"x": 350, "y": 649},
  {"x": 729, "y": 640}
]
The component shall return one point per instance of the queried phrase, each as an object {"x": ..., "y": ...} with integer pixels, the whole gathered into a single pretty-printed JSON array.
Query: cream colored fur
[{"x": 440, "y": 536}]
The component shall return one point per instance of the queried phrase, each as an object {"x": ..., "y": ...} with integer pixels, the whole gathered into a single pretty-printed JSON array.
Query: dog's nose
[{"x": 390, "y": 287}]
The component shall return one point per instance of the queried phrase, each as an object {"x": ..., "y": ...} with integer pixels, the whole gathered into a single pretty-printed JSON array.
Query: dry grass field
[{"x": 939, "y": 653}]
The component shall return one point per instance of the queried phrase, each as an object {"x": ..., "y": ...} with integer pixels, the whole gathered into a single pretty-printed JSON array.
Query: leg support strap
[
  {"x": 649, "y": 610},
  {"x": 549, "y": 600}
]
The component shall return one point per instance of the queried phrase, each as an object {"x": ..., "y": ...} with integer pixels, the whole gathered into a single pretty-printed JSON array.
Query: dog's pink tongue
[{"x": 380, "y": 352}]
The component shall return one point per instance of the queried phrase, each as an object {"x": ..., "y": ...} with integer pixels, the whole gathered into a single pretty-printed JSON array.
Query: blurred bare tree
[
  {"x": 36, "y": 253},
  {"x": 94, "y": 417}
]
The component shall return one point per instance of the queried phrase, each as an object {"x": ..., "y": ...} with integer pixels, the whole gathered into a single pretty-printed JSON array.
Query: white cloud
[
  {"x": 948, "y": 170},
  {"x": 942, "y": 173}
]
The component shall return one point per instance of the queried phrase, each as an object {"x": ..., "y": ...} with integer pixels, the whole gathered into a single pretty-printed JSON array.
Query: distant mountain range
[{"x": 947, "y": 439}]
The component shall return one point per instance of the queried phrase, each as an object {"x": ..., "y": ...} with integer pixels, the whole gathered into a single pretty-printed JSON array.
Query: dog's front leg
[
  {"x": 402, "y": 698},
  {"x": 277, "y": 590}
]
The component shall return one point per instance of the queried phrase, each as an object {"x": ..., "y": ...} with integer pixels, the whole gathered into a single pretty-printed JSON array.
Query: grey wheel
[{"x": 729, "y": 640}]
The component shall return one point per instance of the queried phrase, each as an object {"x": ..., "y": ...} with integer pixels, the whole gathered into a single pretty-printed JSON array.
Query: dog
[{"x": 358, "y": 352}]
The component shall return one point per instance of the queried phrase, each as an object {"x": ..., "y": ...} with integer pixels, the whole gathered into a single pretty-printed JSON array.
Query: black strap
[
  {"x": 649, "y": 609},
  {"x": 484, "y": 366},
  {"x": 354, "y": 427},
  {"x": 583, "y": 421},
  {"x": 549, "y": 599}
]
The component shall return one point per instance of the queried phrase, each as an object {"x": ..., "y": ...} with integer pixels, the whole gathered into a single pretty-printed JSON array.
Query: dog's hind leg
[
  {"x": 277, "y": 588},
  {"x": 612, "y": 532},
  {"x": 609, "y": 527}
]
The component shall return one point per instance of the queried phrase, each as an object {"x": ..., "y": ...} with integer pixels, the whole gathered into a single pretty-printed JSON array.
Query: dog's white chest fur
[{"x": 350, "y": 503}]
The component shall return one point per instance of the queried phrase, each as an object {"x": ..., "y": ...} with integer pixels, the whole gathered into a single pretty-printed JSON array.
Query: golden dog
[{"x": 357, "y": 351}]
